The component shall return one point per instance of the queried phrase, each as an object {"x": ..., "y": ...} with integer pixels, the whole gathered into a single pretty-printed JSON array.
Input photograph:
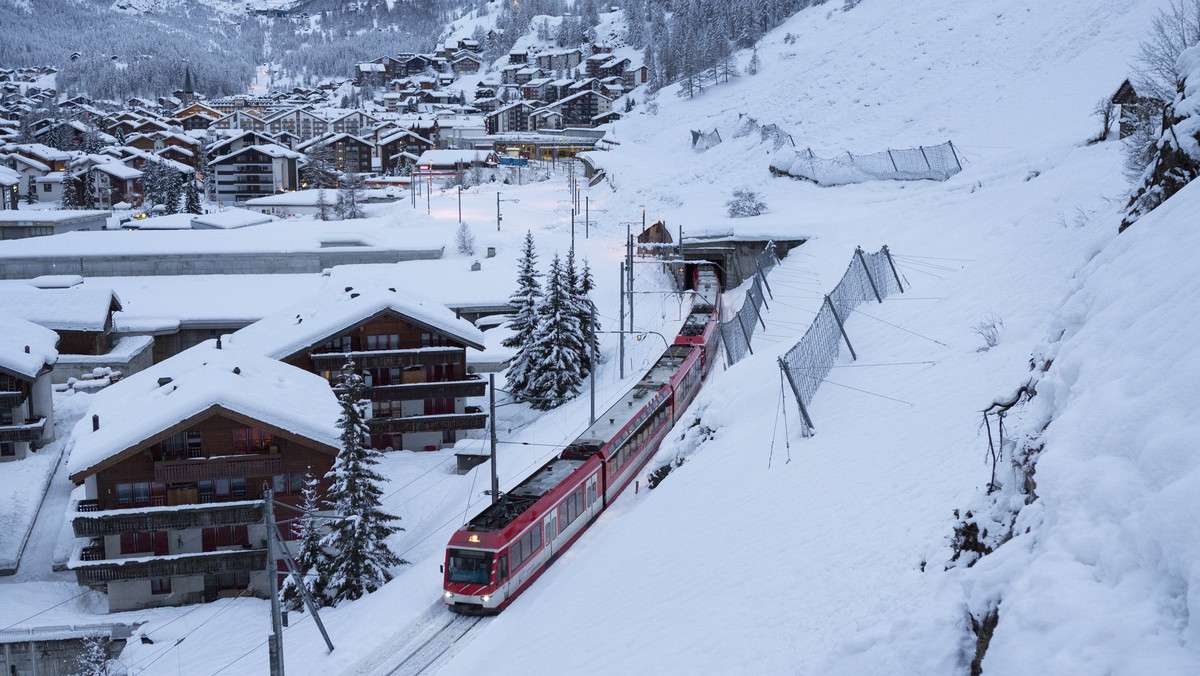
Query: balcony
[
  {"x": 227, "y": 467},
  {"x": 473, "y": 387},
  {"x": 429, "y": 423},
  {"x": 138, "y": 520},
  {"x": 91, "y": 572},
  {"x": 11, "y": 399},
  {"x": 30, "y": 430},
  {"x": 368, "y": 359}
]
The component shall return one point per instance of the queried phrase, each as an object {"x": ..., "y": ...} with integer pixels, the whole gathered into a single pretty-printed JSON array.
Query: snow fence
[
  {"x": 870, "y": 276},
  {"x": 736, "y": 332},
  {"x": 936, "y": 163}
]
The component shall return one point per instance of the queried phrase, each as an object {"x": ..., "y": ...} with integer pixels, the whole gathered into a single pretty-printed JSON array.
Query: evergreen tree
[
  {"x": 191, "y": 197},
  {"x": 31, "y": 190},
  {"x": 323, "y": 207},
  {"x": 119, "y": 135},
  {"x": 70, "y": 192},
  {"x": 753, "y": 66},
  {"x": 91, "y": 143},
  {"x": 635, "y": 19},
  {"x": 350, "y": 196},
  {"x": 87, "y": 191},
  {"x": 555, "y": 355},
  {"x": 361, "y": 560},
  {"x": 321, "y": 169},
  {"x": 524, "y": 322},
  {"x": 312, "y": 562},
  {"x": 589, "y": 322},
  {"x": 173, "y": 192},
  {"x": 464, "y": 239}
]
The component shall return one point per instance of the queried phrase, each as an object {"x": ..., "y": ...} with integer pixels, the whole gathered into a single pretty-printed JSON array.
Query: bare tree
[
  {"x": 1175, "y": 28},
  {"x": 1104, "y": 111}
]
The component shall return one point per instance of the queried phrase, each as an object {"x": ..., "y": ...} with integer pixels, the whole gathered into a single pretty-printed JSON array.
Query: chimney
[
  {"x": 26, "y": 349},
  {"x": 237, "y": 371},
  {"x": 164, "y": 381},
  {"x": 95, "y": 422},
  {"x": 218, "y": 342}
]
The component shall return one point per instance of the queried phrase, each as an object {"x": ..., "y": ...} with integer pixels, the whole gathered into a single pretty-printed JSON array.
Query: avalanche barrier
[{"x": 936, "y": 163}]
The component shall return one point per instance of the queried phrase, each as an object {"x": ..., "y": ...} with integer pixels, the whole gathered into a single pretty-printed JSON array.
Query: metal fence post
[
  {"x": 892, "y": 263},
  {"x": 763, "y": 276},
  {"x": 859, "y": 252},
  {"x": 841, "y": 328},
  {"x": 744, "y": 334},
  {"x": 799, "y": 399},
  {"x": 954, "y": 151},
  {"x": 893, "y": 159},
  {"x": 927, "y": 165}
]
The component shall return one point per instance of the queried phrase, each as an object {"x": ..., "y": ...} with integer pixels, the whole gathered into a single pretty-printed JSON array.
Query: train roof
[{"x": 516, "y": 501}]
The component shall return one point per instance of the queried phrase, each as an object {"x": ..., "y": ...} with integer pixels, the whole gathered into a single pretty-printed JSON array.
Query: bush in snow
[
  {"x": 989, "y": 328},
  {"x": 93, "y": 659},
  {"x": 745, "y": 202},
  {"x": 1104, "y": 111},
  {"x": 361, "y": 560}
]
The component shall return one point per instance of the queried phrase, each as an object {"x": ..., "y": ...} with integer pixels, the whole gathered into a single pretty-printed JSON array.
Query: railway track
[{"x": 430, "y": 646}]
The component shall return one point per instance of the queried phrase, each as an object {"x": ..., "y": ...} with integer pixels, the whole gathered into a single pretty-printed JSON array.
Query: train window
[
  {"x": 470, "y": 567},
  {"x": 502, "y": 568}
]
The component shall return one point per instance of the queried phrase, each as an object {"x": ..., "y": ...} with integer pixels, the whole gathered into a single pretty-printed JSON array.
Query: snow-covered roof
[
  {"x": 167, "y": 222},
  {"x": 9, "y": 177},
  {"x": 268, "y": 149},
  {"x": 231, "y": 218},
  {"x": 402, "y": 133},
  {"x": 118, "y": 170},
  {"x": 445, "y": 158},
  {"x": 58, "y": 309},
  {"x": 42, "y": 151},
  {"x": 18, "y": 336},
  {"x": 138, "y": 408},
  {"x": 336, "y": 309},
  {"x": 28, "y": 161},
  {"x": 10, "y": 216}
]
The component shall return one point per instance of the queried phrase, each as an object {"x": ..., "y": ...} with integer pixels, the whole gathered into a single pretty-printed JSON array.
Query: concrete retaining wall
[{"x": 242, "y": 263}]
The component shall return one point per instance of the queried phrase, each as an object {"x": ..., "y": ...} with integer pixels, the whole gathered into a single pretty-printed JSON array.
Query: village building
[
  {"x": 23, "y": 223},
  {"x": 174, "y": 462},
  {"x": 411, "y": 352},
  {"x": 350, "y": 153},
  {"x": 253, "y": 171},
  {"x": 27, "y": 356},
  {"x": 400, "y": 150}
]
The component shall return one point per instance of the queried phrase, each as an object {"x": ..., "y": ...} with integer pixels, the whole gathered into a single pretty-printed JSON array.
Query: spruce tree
[
  {"x": 31, "y": 190},
  {"x": 173, "y": 192},
  {"x": 524, "y": 322},
  {"x": 350, "y": 196},
  {"x": 555, "y": 375},
  {"x": 70, "y": 193},
  {"x": 321, "y": 169},
  {"x": 589, "y": 323},
  {"x": 87, "y": 190},
  {"x": 361, "y": 559},
  {"x": 312, "y": 561},
  {"x": 191, "y": 197}
]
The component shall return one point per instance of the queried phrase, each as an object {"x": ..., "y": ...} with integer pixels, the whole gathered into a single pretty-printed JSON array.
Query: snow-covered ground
[{"x": 769, "y": 553}]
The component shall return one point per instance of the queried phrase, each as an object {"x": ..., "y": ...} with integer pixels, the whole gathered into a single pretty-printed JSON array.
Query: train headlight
[
  {"x": 449, "y": 595},
  {"x": 486, "y": 598}
]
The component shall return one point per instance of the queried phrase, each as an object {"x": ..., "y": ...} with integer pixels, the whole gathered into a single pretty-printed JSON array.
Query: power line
[{"x": 45, "y": 611}]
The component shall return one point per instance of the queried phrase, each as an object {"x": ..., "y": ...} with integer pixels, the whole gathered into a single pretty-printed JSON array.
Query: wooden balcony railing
[
  {"x": 109, "y": 570},
  {"x": 30, "y": 430},
  {"x": 205, "y": 469},
  {"x": 11, "y": 399},
  {"x": 428, "y": 423},
  {"x": 369, "y": 359},
  {"x": 117, "y": 521},
  {"x": 473, "y": 387}
]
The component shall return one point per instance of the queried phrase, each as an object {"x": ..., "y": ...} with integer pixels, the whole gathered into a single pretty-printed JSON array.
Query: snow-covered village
[{"x": 550, "y": 336}]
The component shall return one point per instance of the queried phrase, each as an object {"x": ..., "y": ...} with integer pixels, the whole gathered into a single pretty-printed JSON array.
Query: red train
[{"x": 491, "y": 559}]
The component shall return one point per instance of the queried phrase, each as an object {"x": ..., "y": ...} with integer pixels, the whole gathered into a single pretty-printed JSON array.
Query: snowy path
[{"x": 37, "y": 563}]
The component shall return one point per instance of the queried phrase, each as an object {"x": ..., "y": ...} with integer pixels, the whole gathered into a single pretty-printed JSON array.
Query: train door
[
  {"x": 591, "y": 496},
  {"x": 551, "y": 523}
]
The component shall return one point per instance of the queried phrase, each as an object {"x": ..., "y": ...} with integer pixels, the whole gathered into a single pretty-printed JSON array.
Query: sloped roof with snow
[
  {"x": 444, "y": 158},
  {"x": 231, "y": 218},
  {"x": 338, "y": 308},
  {"x": 19, "y": 335},
  {"x": 269, "y": 149},
  {"x": 138, "y": 408},
  {"x": 69, "y": 309}
]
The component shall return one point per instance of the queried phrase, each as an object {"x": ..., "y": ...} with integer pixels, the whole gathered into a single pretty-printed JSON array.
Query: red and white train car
[{"x": 492, "y": 558}]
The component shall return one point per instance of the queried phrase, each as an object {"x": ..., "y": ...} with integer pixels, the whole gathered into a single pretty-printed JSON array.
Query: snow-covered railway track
[{"x": 433, "y": 647}]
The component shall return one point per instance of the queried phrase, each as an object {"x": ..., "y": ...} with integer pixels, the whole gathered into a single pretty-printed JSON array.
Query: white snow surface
[
  {"x": 766, "y": 552},
  {"x": 202, "y": 377},
  {"x": 70, "y": 309},
  {"x": 25, "y": 347}
]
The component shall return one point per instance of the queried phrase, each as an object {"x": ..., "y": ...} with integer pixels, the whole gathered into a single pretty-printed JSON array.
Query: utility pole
[
  {"x": 629, "y": 269},
  {"x": 428, "y": 192},
  {"x": 621, "y": 288},
  {"x": 492, "y": 425},
  {"x": 275, "y": 641},
  {"x": 497, "y": 211},
  {"x": 595, "y": 367},
  {"x": 460, "y": 203},
  {"x": 572, "y": 228},
  {"x": 586, "y": 218}
]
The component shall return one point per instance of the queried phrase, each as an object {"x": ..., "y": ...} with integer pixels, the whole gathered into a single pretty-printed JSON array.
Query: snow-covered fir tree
[
  {"x": 324, "y": 208},
  {"x": 70, "y": 192},
  {"x": 191, "y": 197},
  {"x": 87, "y": 191},
  {"x": 350, "y": 196},
  {"x": 589, "y": 322},
  {"x": 554, "y": 358},
  {"x": 31, "y": 191},
  {"x": 312, "y": 561},
  {"x": 524, "y": 321},
  {"x": 173, "y": 193},
  {"x": 361, "y": 560},
  {"x": 321, "y": 169},
  {"x": 464, "y": 240}
]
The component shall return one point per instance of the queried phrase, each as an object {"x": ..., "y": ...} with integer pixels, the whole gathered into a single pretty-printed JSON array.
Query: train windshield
[{"x": 470, "y": 567}]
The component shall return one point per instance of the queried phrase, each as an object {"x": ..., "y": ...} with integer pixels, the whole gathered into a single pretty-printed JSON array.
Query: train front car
[{"x": 491, "y": 559}]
